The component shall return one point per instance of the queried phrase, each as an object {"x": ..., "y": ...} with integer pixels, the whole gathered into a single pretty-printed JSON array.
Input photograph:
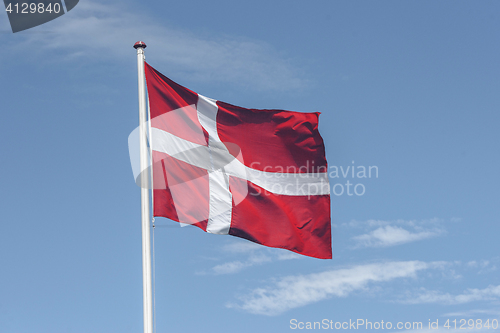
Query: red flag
[{"x": 256, "y": 174}]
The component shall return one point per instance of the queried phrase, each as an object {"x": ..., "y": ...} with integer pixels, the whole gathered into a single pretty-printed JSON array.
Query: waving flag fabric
[{"x": 256, "y": 174}]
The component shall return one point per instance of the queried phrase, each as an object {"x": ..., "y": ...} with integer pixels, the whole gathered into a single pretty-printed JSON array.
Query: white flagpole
[{"x": 145, "y": 215}]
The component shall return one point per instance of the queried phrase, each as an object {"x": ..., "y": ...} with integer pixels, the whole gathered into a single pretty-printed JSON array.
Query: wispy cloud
[
  {"x": 380, "y": 233},
  {"x": 442, "y": 329},
  {"x": 236, "y": 266},
  {"x": 241, "y": 247},
  {"x": 389, "y": 236},
  {"x": 470, "y": 295},
  {"x": 285, "y": 255},
  {"x": 296, "y": 291},
  {"x": 381, "y": 223},
  {"x": 473, "y": 313},
  {"x": 255, "y": 255},
  {"x": 484, "y": 266},
  {"x": 108, "y": 31}
]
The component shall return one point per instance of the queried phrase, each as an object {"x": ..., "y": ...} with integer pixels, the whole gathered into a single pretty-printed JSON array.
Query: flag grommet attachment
[{"x": 139, "y": 44}]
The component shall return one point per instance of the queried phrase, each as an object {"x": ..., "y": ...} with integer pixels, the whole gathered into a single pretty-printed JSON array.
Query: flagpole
[{"x": 145, "y": 214}]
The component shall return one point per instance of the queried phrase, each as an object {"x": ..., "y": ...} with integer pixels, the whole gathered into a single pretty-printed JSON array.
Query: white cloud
[
  {"x": 473, "y": 313},
  {"x": 442, "y": 329},
  {"x": 241, "y": 247},
  {"x": 236, "y": 266},
  {"x": 481, "y": 263},
  {"x": 296, "y": 291},
  {"x": 472, "y": 263},
  {"x": 256, "y": 255},
  {"x": 379, "y": 233},
  {"x": 101, "y": 31},
  {"x": 229, "y": 267},
  {"x": 389, "y": 236},
  {"x": 469, "y": 295},
  {"x": 484, "y": 266},
  {"x": 380, "y": 223},
  {"x": 286, "y": 255}
]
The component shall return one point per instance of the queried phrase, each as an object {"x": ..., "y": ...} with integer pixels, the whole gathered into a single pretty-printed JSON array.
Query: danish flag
[{"x": 256, "y": 174}]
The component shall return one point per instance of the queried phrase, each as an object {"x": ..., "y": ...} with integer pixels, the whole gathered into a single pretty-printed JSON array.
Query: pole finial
[{"x": 139, "y": 44}]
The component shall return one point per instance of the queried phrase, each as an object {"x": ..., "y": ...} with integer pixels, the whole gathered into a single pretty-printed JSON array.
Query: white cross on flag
[{"x": 256, "y": 174}]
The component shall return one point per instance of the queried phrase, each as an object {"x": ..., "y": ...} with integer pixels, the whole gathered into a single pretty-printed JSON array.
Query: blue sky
[{"x": 411, "y": 87}]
